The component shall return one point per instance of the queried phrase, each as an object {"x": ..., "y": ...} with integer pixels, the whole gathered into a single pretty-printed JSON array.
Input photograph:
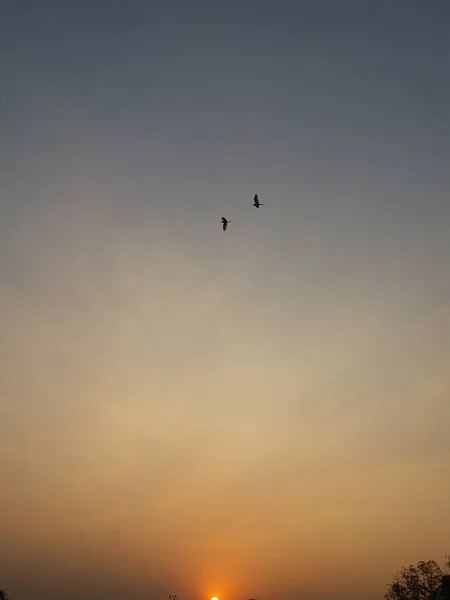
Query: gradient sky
[{"x": 263, "y": 412}]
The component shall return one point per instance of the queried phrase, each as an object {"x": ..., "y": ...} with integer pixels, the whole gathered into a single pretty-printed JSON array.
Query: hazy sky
[{"x": 263, "y": 412}]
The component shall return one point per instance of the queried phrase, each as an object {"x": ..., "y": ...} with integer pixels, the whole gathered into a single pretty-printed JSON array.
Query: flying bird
[
  {"x": 225, "y": 223},
  {"x": 256, "y": 201}
]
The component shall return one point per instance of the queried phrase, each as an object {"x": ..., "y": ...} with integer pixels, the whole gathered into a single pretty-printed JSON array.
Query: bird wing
[{"x": 255, "y": 199}]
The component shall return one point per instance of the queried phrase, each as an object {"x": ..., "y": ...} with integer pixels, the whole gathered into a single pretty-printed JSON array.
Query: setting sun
[{"x": 214, "y": 598}]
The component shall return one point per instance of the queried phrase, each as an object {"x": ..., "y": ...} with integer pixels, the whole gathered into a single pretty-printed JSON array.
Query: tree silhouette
[
  {"x": 3, "y": 595},
  {"x": 444, "y": 589},
  {"x": 420, "y": 582}
]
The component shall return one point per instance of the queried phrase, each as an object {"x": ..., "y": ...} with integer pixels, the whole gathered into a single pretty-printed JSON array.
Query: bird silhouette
[
  {"x": 225, "y": 223},
  {"x": 256, "y": 201}
]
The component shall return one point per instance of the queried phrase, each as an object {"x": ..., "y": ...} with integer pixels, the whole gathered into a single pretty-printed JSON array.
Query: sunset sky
[{"x": 263, "y": 412}]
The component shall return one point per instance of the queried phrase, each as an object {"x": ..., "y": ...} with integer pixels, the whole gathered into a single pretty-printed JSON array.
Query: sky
[{"x": 257, "y": 413}]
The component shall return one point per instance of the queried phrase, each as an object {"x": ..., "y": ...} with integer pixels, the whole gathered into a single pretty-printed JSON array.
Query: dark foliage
[{"x": 420, "y": 582}]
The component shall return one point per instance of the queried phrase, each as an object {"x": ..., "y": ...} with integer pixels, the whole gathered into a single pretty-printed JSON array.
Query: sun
[{"x": 214, "y": 598}]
